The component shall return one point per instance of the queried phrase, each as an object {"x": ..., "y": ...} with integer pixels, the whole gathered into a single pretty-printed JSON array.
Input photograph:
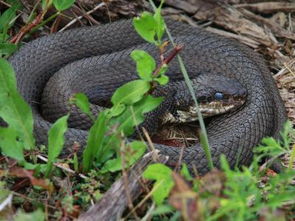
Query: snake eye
[{"x": 218, "y": 96}]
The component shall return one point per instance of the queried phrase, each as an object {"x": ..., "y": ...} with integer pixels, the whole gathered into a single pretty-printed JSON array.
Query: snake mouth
[{"x": 208, "y": 109}]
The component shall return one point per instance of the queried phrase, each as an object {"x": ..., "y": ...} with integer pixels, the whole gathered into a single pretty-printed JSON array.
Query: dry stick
[
  {"x": 112, "y": 205},
  {"x": 80, "y": 17},
  {"x": 63, "y": 168},
  {"x": 268, "y": 7},
  {"x": 126, "y": 181}
]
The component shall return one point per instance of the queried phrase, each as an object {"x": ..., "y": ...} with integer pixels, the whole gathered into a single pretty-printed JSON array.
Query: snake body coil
[{"x": 102, "y": 54}]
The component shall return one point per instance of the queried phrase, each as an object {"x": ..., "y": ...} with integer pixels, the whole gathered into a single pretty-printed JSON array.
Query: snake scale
[{"x": 105, "y": 50}]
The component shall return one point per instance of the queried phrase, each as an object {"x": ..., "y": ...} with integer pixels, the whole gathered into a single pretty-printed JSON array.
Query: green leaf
[
  {"x": 185, "y": 172},
  {"x": 94, "y": 147},
  {"x": 130, "y": 92},
  {"x": 37, "y": 215},
  {"x": 164, "y": 182},
  {"x": 162, "y": 80},
  {"x": 13, "y": 109},
  {"x": 56, "y": 141},
  {"x": 116, "y": 110},
  {"x": 286, "y": 134},
  {"x": 145, "y": 25},
  {"x": 76, "y": 162},
  {"x": 82, "y": 102},
  {"x": 133, "y": 116},
  {"x": 62, "y": 5},
  {"x": 162, "y": 209},
  {"x": 224, "y": 164},
  {"x": 9, "y": 144},
  {"x": 7, "y": 18},
  {"x": 145, "y": 64},
  {"x": 132, "y": 153}
]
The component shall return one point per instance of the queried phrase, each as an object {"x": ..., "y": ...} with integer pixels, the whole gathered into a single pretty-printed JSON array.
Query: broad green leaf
[
  {"x": 82, "y": 102},
  {"x": 145, "y": 64},
  {"x": 133, "y": 116},
  {"x": 129, "y": 118},
  {"x": 130, "y": 92},
  {"x": 56, "y": 140},
  {"x": 164, "y": 181},
  {"x": 8, "y": 77},
  {"x": 132, "y": 153},
  {"x": 37, "y": 215},
  {"x": 112, "y": 165},
  {"x": 163, "y": 209},
  {"x": 13, "y": 109},
  {"x": 145, "y": 25},
  {"x": 61, "y": 5},
  {"x": 9, "y": 144},
  {"x": 94, "y": 147}
]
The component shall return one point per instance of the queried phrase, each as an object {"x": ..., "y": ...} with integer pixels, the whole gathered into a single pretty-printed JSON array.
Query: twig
[
  {"x": 24, "y": 30},
  {"x": 63, "y": 168},
  {"x": 81, "y": 16}
]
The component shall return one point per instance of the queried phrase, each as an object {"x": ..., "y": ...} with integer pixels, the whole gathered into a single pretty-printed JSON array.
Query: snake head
[{"x": 216, "y": 94}]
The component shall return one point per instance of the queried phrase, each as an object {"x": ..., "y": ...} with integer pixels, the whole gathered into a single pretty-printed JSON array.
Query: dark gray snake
[{"x": 96, "y": 60}]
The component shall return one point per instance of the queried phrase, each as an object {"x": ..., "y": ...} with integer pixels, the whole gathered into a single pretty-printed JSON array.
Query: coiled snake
[{"x": 96, "y": 60}]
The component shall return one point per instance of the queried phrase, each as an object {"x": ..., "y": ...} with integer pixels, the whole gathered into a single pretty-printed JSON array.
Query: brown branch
[
  {"x": 168, "y": 59},
  {"x": 175, "y": 51},
  {"x": 25, "y": 29}
]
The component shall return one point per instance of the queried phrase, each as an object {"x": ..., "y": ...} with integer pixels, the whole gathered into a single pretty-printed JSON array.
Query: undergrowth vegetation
[{"x": 247, "y": 193}]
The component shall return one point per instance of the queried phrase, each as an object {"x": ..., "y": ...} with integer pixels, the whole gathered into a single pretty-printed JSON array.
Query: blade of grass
[{"x": 56, "y": 141}]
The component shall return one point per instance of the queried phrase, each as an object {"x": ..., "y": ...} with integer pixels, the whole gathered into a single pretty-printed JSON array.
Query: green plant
[
  {"x": 243, "y": 194},
  {"x": 17, "y": 114},
  {"x": 14, "y": 110},
  {"x": 132, "y": 97},
  {"x": 7, "y": 19}
]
